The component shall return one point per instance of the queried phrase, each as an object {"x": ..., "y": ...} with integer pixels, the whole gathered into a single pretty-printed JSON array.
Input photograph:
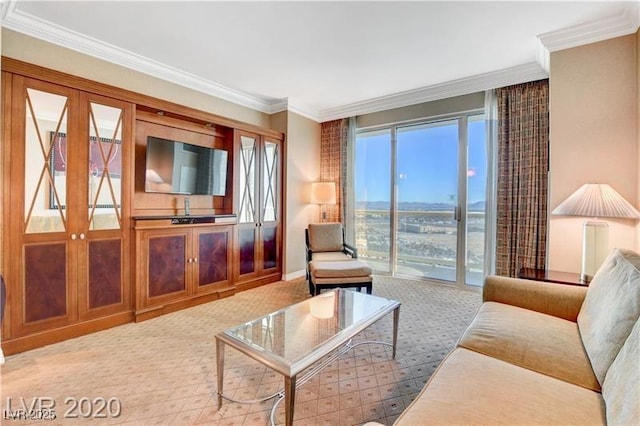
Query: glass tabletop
[{"x": 296, "y": 331}]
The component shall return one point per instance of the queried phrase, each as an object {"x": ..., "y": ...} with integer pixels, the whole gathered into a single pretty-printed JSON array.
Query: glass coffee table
[{"x": 315, "y": 331}]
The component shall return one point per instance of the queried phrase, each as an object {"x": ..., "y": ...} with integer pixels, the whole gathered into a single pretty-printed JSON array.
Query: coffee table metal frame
[{"x": 335, "y": 347}]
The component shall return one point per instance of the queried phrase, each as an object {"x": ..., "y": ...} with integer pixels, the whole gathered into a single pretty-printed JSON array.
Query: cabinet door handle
[
  {"x": 190, "y": 260},
  {"x": 74, "y": 236},
  {"x": 195, "y": 260},
  {"x": 82, "y": 236}
]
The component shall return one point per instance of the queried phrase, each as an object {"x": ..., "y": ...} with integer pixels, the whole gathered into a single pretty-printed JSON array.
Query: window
[{"x": 420, "y": 198}]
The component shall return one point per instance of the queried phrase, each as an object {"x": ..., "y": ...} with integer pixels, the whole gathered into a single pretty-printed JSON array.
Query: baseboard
[
  {"x": 294, "y": 275},
  {"x": 48, "y": 337}
]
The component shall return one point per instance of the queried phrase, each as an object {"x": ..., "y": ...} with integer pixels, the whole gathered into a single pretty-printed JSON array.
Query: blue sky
[{"x": 427, "y": 164}]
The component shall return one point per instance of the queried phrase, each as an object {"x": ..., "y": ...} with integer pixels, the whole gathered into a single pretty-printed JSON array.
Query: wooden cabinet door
[
  {"x": 163, "y": 266},
  {"x": 270, "y": 207},
  {"x": 104, "y": 261},
  {"x": 259, "y": 184},
  {"x": 248, "y": 191},
  {"x": 212, "y": 258},
  {"x": 69, "y": 168},
  {"x": 42, "y": 237}
]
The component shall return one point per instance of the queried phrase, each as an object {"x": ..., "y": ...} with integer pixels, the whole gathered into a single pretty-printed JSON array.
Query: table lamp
[
  {"x": 323, "y": 193},
  {"x": 595, "y": 200}
]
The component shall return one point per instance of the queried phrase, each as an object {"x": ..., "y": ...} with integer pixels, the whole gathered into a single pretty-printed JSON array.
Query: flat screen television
[{"x": 175, "y": 167}]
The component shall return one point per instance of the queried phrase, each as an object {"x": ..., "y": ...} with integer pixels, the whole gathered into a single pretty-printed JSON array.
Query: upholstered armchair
[
  {"x": 331, "y": 262},
  {"x": 325, "y": 242}
]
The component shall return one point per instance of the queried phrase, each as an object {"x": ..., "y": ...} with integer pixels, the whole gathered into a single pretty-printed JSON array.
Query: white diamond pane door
[
  {"x": 270, "y": 179},
  {"x": 45, "y": 162},
  {"x": 105, "y": 167},
  {"x": 247, "y": 180}
]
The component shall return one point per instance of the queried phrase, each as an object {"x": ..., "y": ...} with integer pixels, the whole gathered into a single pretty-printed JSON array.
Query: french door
[
  {"x": 67, "y": 216},
  {"x": 420, "y": 199}
]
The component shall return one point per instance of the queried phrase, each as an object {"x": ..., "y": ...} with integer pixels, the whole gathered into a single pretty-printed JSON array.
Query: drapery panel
[
  {"x": 522, "y": 176},
  {"x": 333, "y": 163}
]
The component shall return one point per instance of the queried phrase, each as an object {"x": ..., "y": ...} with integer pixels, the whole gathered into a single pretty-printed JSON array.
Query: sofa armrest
[{"x": 560, "y": 300}]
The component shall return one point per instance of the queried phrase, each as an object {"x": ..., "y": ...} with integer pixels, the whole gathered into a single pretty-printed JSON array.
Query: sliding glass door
[
  {"x": 419, "y": 199},
  {"x": 426, "y": 244},
  {"x": 373, "y": 199}
]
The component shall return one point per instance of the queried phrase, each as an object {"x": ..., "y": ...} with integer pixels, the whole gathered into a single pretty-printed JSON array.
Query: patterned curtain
[
  {"x": 333, "y": 163},
  {"x": 523, "y": 164}
]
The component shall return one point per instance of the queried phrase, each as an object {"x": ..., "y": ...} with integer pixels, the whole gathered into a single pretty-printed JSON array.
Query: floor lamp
[
  {"x": 596, "y": 201},
  {"x": 323, "y": 193}
]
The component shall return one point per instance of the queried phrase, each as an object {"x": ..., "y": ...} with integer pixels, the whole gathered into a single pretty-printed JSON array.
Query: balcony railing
[{"x": 426, "y": 242}]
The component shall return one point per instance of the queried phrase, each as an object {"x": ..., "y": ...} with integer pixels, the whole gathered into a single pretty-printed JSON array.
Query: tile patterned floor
[{"x": 162, "y": 371}]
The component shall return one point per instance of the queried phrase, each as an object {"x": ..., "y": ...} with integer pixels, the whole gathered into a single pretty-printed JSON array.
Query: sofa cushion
[
  {"x": 340, "y": 269},
  {"x": 325, "y": 236},
  {"x": 330, "y": 256},
  {"x": 611, "y": 309},
  {"x": 471, "y": 388},
  {"x": 621, "y": 388},
  {"x": 538, "y": 342}
]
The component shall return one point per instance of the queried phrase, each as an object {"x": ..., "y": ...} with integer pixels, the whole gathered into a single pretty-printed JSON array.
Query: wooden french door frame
[
  {"x": 98, "y": 239},
  {"x": 66, "y": 252},
  {"x": 49, "y": 248}
]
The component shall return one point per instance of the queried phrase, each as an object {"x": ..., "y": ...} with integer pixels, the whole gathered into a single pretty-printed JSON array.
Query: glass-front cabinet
[
  {"x": 85, "y": 245},
  {"x": 69, "y": 165},
  {"x": 258, "y": 197}
]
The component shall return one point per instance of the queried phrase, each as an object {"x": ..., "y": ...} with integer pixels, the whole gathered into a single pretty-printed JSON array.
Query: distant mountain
[
  {"x": 478, "y": 206},
  {"x": 416, "y": 206}
]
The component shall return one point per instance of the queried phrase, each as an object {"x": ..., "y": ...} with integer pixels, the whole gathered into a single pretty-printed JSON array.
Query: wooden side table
[{"x": 549, "y": 276}]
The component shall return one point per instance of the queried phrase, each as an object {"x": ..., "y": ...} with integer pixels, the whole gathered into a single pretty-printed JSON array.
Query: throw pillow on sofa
[
  {"x": 621, "y": 388},
  {"x": 610, "y": 309}
]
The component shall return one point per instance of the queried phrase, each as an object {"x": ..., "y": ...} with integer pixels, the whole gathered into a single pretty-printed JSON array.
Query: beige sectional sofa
[{"x": 544, "y": 353}]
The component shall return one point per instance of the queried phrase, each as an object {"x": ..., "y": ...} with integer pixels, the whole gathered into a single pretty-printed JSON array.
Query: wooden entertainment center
[{"x": 86, "y": 245}]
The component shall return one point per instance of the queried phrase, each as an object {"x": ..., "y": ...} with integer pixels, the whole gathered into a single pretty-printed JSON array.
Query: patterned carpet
[{"x": 162, "y": 371}]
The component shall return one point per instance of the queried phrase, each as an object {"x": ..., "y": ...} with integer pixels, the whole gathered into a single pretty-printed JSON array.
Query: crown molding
[
  {"x": 278, "y": 106},
  {"x": 491, "y": 80},
  {"x": 33, "y": 26},
  {"x": 304, "y": 112},
  {"x": 622, "y": 24},
  {"x": 616, "y": 26}
]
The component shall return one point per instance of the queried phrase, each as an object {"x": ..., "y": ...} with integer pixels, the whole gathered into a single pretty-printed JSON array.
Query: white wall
[
  {"x": 593, "y": 138},
  {"x": 302, "y": 168}
]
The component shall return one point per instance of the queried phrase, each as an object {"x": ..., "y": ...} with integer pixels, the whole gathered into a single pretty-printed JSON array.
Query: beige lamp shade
[
  {"x": 323, "y": 193},
  {"x": 596, "y": 200}
]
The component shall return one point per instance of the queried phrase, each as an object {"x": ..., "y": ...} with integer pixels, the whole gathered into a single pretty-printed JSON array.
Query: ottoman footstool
[{"x": 339, "y": 274}]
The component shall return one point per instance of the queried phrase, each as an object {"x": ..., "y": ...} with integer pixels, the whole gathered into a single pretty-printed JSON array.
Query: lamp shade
[
  {"x": 596, "y": 200},
  {"x": 323, "y": 193}
]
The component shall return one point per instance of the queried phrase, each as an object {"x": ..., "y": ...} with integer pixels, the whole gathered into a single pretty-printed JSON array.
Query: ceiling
[{"x": 326, "y": 59}]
